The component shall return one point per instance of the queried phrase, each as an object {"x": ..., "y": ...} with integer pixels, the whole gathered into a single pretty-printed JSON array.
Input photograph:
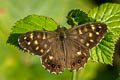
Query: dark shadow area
[
  {"x": 13, "y": 39},
  {"x": 99, "y": 2},
  {"x": 111, "y": 72},
  {"x": 73, "y": 19}
]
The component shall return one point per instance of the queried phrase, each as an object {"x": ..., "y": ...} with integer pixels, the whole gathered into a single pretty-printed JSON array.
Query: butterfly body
[
  {"x": 63, "y": 48},
  {"x": 61, "y": 33}
]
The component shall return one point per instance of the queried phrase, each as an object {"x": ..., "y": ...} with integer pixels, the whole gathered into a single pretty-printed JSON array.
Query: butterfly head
[{"x": 61, "y": 32}]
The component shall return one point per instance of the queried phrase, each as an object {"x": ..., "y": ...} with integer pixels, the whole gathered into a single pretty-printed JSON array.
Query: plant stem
[{"x": 74, "y": 75}]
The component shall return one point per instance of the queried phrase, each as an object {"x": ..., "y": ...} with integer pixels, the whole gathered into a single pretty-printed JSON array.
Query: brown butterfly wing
[
  {"x": 76, "y": 55},
  {"x": 37, "y": 42},
  {"x": 88, "y": 34},
  {"x": 79, "y": 40},
  {"x": 53, "y": 61},
  {"x": 72, "y": 52},
  {"x": 47, "y": 45}
]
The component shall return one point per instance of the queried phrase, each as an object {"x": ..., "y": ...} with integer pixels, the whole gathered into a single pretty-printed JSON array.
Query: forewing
[
  {"x": 88, "y": 35},
  {"x": 53, "y": 61},
  {"x": 76, "y": 55},
  {"x": 37, "y": 42}
]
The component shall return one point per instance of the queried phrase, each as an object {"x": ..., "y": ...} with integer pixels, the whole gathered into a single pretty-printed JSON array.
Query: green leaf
[
  {"x": 77, "y": 17},
  {"x": 104, "y": 51},
  {"x": 108, "y": 14},
  {"x": 29, "y": 23}
]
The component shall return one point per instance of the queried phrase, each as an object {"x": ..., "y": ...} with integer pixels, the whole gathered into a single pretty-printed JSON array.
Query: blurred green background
[{"x": 17, "y": 65}]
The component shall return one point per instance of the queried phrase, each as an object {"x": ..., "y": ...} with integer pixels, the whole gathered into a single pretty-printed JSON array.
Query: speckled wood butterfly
[{"x": 63, "y": 48}]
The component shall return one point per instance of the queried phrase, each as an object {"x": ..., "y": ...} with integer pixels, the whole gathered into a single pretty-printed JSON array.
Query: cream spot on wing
[
  {"x": 44, "y": 37},
  {"x": 28, "y": 51},
  {"x": 48, "y": 50},
  {"x": 87, "y": 44},
  {"x": 36, "y": 42},
  {"x": 38, "y": 36},
  {"x": 48, "y": 66},
  {"x": 92, "y": 26},
  {"x": 50, "y": 57},
  {"x": 37, "y": 48},
  {"x": 80, "y": 32},
  {"x": 84, "y": 54},
  {"x": 45, "y": 45},
  {"x": 29, "y": 43},
  {"x": 25, "y": 37},
  {"x": 91, "y": 40},
  {"x": 81, "y": 40},
  {"x": 85, "y": 29},
  {"x": 79, "y": 53},
  {"x": 90, "y": 34},
  {"x": 24, "y": 48},
  {"x": 31, "y": 35},
  {"x": 100, "y": 27},
  {"x": 97, "y": 33},
  {"x": 41, "y": 50},
  {"x": 46, "y": 60}
]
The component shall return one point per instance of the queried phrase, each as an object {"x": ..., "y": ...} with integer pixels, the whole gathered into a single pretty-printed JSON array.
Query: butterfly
[{"x": 63, "y": 48}]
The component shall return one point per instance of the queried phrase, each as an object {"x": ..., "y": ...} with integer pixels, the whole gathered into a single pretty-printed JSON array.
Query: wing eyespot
[
  {"x": 97, "y": 29},
  {"x": 28, "y": 39},
  {"x": 73, "y": 64},
  {"x": 59, "y": 66},
  {"x": 53, "y": 65},
  {"x": 82, "y": 57}
]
